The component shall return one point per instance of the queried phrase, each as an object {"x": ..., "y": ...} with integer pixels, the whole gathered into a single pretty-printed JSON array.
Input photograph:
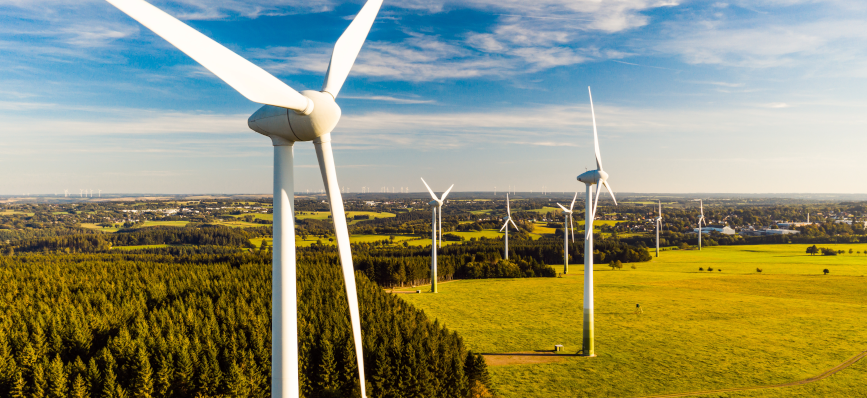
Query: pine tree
[
  {"x": 79, "y": 388},
  {"x": 57, "y": 381},
  {"x": 19, "y": 386},
  {"x": 143, "y": 384},
  {"x": 328, "y": 379},
  {"x": 92, "y": 378},
  {"x": 39, "y": 385},
  {"x": 237, "y": 384},
  {"x": 109, "y": 380},
  {"x": 163, "y": 382}
]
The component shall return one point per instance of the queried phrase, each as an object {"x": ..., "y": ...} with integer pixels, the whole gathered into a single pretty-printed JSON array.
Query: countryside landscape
[
  {"x": 744, "y": 312},
  {"x": 433, "y": 199}
]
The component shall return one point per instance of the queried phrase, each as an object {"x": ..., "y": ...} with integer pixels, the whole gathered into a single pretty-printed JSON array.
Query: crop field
[
  {"x": 165, "y": 223},
  {"x": 699, "y": 330},
  {"x": 97, "y": 227},
  {"x": 324, "y": 215},
  {"x": 260, "y": 216}
]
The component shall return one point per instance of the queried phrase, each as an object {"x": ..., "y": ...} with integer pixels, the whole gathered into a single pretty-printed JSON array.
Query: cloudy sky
[{"x": 758, "y": 96}]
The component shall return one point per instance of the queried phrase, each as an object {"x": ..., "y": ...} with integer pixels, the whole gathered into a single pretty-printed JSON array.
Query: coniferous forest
[{"x": 191, "y": 323}]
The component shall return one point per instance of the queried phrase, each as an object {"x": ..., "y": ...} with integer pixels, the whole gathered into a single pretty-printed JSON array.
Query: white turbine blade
[
  {"x": 513, "y": 223},
  {"x": 596, "y": 201},
  {"x": 660, "y": 208},
  {"x": 506, "y": 224},
  {"x": 348, "y": 46},
  {"x": 564, "y": 209},
  {"x": 447, "y": 192},
  {"x": 595, "y": 135},
  {"x": 250, "y": 80},
  {"x": 571, "y": 228},
  {"x": 573, "y": 202},
  {"x": 341, "y": 232},
  {"x": 509, "y": 211},
  {"x": 608, "y": 187},
  {"x": 429, "y": 190}
]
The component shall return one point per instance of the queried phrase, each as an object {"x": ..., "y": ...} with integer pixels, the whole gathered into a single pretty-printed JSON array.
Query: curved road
[{"x": 827, "y": 373}]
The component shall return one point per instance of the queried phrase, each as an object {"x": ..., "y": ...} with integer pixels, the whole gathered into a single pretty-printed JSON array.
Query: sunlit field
[{"x": 699, "y": 330}]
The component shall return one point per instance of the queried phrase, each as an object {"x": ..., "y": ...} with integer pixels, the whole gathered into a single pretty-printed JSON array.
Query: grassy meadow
[{"x": 699, "y": 330}]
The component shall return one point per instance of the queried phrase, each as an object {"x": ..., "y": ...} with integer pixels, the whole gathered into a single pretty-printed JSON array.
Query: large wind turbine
[
  {"x": 439, "y": 206},
  {"x": 506, "y": 227},
  {"x": 286, "y": 117},
  {"x": 658, "y": 227},
  {"x": 701, "y": 220},
  {"x": 567, "y": 226},
  {"x": 599, "y": 177}
]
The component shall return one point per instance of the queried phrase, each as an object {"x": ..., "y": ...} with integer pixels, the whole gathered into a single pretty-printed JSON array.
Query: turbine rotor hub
[{"x": 321, "y": 118}]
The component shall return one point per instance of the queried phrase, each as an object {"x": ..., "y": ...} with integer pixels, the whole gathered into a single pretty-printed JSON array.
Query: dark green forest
[{"x": 136, "y": 325}]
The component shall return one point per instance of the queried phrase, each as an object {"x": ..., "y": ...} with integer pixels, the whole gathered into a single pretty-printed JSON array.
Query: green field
[
  {"x": 164, "y": 224},
  {"x": 699, "y": 330},
  {"x": 325, "y": 215},
  {"x": 97, "y": 227}
]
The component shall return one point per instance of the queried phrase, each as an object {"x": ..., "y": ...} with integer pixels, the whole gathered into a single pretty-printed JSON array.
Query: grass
[
  {"x": 699, "y": 330},
  {"x": 97, "y": 227},
  {"x": 13, "y": 212}
]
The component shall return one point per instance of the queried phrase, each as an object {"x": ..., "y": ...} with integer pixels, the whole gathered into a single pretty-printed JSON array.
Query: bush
[
  {"x": 633, "y": 266},
  {"x": 709, "y": 268},
  {"x": 700, "y": 269},
  {"x": 826, "y": 271},
  {"x": 759, "y": 270}
]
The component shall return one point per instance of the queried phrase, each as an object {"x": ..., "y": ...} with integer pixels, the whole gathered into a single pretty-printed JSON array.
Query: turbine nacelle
[
  {"x": 318, "y": 119},
  {"x": 593, "y": 176}
]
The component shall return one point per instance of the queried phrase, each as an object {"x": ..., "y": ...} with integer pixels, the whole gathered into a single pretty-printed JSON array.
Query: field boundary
[{"x": 849, "y": 362}]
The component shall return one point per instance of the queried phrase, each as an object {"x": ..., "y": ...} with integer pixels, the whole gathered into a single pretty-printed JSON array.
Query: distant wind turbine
[
  {"x": 439, "y": 206},
  {"x": 506, "y": 227},
  {"x": 600, "y": 178},
  {"x": 433, "y": 244},
  {"x": 658, "y": 227},
  {"x": 567, "y": 226},
  {"x": 700, "y": 221}
]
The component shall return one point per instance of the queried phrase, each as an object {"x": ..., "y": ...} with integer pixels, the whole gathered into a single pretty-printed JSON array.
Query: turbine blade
[
  {"x": 429, "y": 190},
  {"x": 248, "y": 79},
  {"x": 447, "y": 192},
  {"x": 608, "y": 187},
  {"x": 341, "y": 232},
  {"x": 595, "y": 135},
  {"x": 506, "y": 224},
  {"x": 509, "y": 211},
  {"x": 348, "y": 46},
  {"x": 513, "y": 223},
  {"x": 596, "y": 201},
  {"x": 573, "y": 202},
  {"x": 564, "y": 209},
  {"x": 571, "y": 228}
]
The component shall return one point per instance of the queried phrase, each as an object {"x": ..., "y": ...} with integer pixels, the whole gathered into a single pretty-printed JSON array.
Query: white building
[{"x": 724, "y": 230}]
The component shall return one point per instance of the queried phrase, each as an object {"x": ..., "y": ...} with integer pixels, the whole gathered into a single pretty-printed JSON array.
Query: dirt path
[{"x": 822, "y": 376}]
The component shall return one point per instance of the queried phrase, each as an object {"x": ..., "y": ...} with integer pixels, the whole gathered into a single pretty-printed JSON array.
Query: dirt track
[{"x": 824, "y": 375}]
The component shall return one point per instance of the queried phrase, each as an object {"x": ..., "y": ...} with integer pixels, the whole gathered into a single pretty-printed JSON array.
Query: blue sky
[{"x": 763, "y": 96}]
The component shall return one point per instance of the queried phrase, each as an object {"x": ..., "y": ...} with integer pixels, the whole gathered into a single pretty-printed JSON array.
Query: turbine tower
[
  {"x": 506, "y": 227},
  {"x": 658, "y": 227},
  {"x": 433, "y": 245},
  {"x": 700, "y": 220},
  {"x": 439, "y": 207},
  {"x": 567, "y": 226},
  {"x": 286, "y": 117},
  {"x": 600, "y": 178}
]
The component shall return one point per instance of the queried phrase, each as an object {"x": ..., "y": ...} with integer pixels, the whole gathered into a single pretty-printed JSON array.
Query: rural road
[{"x": 824, "y": 375}]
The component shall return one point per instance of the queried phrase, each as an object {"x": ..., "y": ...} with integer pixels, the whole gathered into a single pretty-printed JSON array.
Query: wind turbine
[
  {"x": 567, "y": 226},
  {"x": 286, "y": 117},
  {"x": 700, "y": 220},
  {"x": 439, "y": 202},
  {"x": 506, "y": 226},
  {"x": 600, "y": 178},
  {"x": 658, "y": 227},
  {"x": 433, "y": 243}
]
